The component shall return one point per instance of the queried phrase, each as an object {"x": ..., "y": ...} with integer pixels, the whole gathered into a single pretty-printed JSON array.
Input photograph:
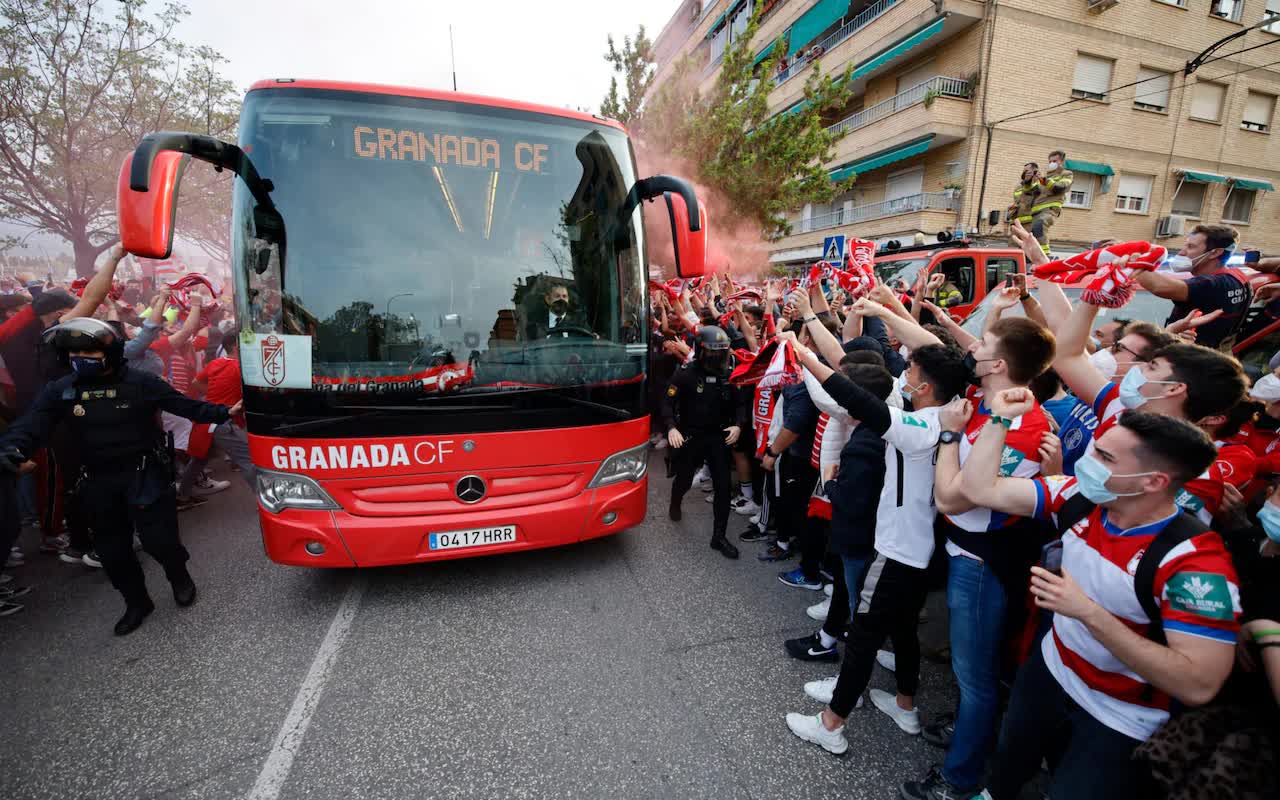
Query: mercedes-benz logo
[{"x": 470, "y": 489}]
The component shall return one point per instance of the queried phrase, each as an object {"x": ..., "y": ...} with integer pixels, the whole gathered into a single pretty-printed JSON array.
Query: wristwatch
[
  {"x": 948, "y": 437},
  {"x": 810, "y": 318}
]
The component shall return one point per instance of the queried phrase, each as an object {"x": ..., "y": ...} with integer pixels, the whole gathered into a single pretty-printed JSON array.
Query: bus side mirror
[
  {"x": 689, "y": 243},
  {"x": 146, "y": 218}
]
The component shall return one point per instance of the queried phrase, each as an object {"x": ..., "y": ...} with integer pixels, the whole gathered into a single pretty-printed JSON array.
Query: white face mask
[
  {"x": 1105, "y": 362},
  {"x": 1180, "y": 263},
  {"x": 1053, "y": 165}
]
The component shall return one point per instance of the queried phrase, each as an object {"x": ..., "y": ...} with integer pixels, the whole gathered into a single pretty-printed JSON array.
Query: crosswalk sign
[{"x": 833, "y": 249}]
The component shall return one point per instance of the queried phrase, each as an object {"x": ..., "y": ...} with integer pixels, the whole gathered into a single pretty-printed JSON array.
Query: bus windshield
[{"x": 438, "y": 247}]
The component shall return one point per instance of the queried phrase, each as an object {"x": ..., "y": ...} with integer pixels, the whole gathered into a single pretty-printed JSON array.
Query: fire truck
[{"x": 442, "y": 314}]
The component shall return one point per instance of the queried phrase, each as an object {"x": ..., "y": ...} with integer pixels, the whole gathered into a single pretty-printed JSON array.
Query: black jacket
[
  {"x": 698, "y": 402},
  {"x": 113, "y": 417},
  {"x": 855, "y": 493}
]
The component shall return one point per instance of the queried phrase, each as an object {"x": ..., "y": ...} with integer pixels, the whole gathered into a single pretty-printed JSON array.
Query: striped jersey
[{"x": 1195, "y": 585}]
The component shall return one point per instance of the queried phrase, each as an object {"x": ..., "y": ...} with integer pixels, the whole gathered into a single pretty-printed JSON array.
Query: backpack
[{"x": 1181, "y": 528}]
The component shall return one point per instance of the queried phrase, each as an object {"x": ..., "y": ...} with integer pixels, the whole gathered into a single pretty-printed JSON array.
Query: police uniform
[
  {"x": 701, "y": 404},
  {"x": 125, "y": 481}
]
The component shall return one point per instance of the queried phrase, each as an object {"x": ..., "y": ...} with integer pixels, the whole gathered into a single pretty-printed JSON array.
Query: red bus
[{"x": 442, "y": 312}]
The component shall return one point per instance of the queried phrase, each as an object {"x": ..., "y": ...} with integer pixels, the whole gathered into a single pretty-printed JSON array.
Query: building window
[
  {"x": 1273, "y": 7},
  {"x": 1189, "y": 199},
  {"x": 1133, "y": 193},
  {"x": 1227, "y": 9},
  {"x": 1178, "y": 3},
  {"x": 1153, "y": 90},
  {"x": 1239, "y": 205},
  {"x": 1081, "y": 192},
  {"x": 1258, "y": 110},
  {"x": 1206, "y": 101},
  {"x": 1093, "y": 77}
]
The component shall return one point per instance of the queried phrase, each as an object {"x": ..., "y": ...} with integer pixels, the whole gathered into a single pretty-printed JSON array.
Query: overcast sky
[{"x": 547, "y": 52}]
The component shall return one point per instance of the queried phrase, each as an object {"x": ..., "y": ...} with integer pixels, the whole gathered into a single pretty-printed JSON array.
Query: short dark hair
[
  {"x": 1059, "y": 153},
  {"x": 944, "y": 367},
  {"x": 1121, "y": 321},
  {"x": 1025, "y": 345},
  {"x": 1171, "y": 444},
  {"x": 1031, "y": 164},
  {"x": 1045, "y": 385},
  {"x": 875, "y": 379},
  {"x": 862, "y": 357},
  {"x": 1155, "y": 336},
  {"x": 754, "y": 311},
  {"x": 1239, "y": 414},
  {"x": 1216, "y": 236},
  {"x": 943, "y": 335},
  {"x": 231, "y": 341},
  {"x": 1215, "y": 381}
]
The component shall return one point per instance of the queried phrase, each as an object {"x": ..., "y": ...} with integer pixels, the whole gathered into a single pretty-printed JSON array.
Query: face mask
[
  {"x": 1131, "y": 396},
  {"x": 971, "y": 363},
  {"x": 1053, "y": 165},
  {"x": 1105, "y": 362},
  {"x": 1092, "y": 476},
  {"x": 87, "y": 367},
  {"x": 1180, "y": 263},
  {"x": 1269, "y": 516},
  {"x": 560, "y": 306}
]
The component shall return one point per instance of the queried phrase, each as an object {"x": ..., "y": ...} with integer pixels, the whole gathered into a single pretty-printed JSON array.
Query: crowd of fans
[
  {"x": 184, "y": 337},
  {"x": 1095, "y": 501}
]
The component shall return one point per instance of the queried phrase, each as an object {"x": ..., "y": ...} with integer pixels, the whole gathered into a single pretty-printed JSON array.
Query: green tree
[
  {"x": 765, "y": 166},
  {"x": 82, "y": 81},
  {"x": 634, "y": 62}
]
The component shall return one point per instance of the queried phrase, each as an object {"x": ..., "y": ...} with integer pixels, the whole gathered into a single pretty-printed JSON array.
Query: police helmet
[
  {"x": 86, "y": 333},
  {"x": 712, "y": 348}
]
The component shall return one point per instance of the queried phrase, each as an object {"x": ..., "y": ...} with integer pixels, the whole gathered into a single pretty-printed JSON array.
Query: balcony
[
  {"x": 862, "y": 20},
  {"x": 927, "y": 201},
  {"x": 916, "y": 95}
]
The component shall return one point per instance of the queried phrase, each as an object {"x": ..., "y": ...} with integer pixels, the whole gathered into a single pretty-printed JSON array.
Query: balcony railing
[
  {"x": 927, "y": 201},
  {"x": 935, "y": 87},
  {"x": 862, "y": 20}
]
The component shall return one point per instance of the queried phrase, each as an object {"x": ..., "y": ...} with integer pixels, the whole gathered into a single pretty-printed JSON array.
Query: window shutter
[
  {"x": 1154, "y": 87},
  {"x": 1206, "y": 100},
  {"x": 1093, "y": 74},
  {"x": 1259, "y": 108},
  {"x": 1133, "y": 186}
]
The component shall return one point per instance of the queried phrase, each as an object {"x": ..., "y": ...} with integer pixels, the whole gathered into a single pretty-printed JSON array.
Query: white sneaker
[
  {"x": 887, "y": 660},
  {"x": 829, "y": 588},
  {"x": 747, "y": 508},
  {"x": 755, "y": 519},
  {"x": 819, "y": 611},
  {"x": 811, "y": 729},
  {"x": 909, "y": 721},
  {"x": 701, "y": 476},
  {"x": 210, "y": 486},
  {"x": 711, "y": 498},
  {"x": 661, "y": 444},
  {"x": 823, "y": 690}
]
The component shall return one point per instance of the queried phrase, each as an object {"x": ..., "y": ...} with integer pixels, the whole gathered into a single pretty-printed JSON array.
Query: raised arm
[
  {"x": 907, "y": 330},
  {"x": 858, "y": 402},
  {"x": 980, "y": 476},
  {"x": 948, "y": 492},
  {"x": 827, "y": 344},
  {"x": 98, "y": 287},
  {"x": 190, "y": 325},
  {"x": 1162, "y": 285},
  {"x": 1070, "y": 361},
  {"x": 962, "y": 337}
]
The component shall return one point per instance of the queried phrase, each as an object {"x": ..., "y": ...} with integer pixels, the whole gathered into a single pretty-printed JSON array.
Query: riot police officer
[
  {"x": 704, "y": 417},
  {"x": 126, "y": 475}
]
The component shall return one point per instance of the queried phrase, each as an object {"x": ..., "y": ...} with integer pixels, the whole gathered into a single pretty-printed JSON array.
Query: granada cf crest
[{"x": 273, "y": 360}]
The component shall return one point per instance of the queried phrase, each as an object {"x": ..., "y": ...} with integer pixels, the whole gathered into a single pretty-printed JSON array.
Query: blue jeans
[
  {"x": 26, "y": 497},
  {"x": 977, "y": 602},
  {"x": 855, "y": 569}
]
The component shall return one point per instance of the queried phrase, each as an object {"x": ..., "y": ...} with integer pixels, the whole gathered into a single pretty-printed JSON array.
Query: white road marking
[{"x": 289, "y": 740}]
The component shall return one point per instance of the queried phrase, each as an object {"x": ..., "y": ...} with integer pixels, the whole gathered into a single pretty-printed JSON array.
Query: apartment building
[{"x": 938, "y": 128}]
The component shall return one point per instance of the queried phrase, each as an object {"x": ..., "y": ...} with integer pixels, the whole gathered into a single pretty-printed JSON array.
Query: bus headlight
[
  {"x": 280, "y": 490},
  {"x": 629, "y": 465}
]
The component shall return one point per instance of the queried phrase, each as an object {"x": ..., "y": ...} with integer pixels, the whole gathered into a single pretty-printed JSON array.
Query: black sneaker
[
  {"x": 934, "y": 787},
  {"x": 724, "y": 546},
  {"x": 752, "y": 534},
  {"x": 133, "y": 617},
  {"x": 940, "y": 732},
  {"x": 810, "y": 648},
  {"x": 776, "y": 553},
  {"x": 674, "y": 512}
]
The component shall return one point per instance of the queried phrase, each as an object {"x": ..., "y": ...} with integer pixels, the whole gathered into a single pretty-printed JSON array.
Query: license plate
[{"x": 478, "y": 537}]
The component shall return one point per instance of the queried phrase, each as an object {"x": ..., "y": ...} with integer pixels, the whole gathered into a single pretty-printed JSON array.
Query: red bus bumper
[{"x": 351, "y": 541}]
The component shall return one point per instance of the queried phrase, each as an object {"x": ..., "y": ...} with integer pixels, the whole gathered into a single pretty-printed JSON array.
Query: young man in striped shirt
[{"x": 1145, "y": 601}]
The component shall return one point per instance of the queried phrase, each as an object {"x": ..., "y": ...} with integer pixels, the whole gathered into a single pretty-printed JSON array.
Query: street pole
[{"x": 453, "y": 60}]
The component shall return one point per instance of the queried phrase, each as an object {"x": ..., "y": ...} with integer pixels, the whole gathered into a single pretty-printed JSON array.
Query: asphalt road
[{"x": 642, "y": 665}]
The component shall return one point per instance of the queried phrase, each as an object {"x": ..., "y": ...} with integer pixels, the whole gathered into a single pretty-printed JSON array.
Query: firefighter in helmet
[
  {"x": 126, "y": 478},
  {"x": 704, "y": 417}
]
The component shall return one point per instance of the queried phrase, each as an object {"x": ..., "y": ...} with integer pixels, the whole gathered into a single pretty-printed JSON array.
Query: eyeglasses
[{"x": 1119, "y": 348}]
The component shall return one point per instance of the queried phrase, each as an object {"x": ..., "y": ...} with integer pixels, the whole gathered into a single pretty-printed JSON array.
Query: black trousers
[
  {"x": 65, "y": 448},
  {"x": 1087, "y": 758},
  {"x": 106, "y": 496},
  {"x": 889, "y": 607},
  {"x": 798, "y": 477},
  {"x": 709, "y": 448},
  {"x": 10, "y": 519}
]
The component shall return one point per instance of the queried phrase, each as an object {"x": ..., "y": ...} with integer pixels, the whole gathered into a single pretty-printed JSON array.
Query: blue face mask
[
  {"x": 1269, "y": 516},
  {"x": 908, "y": 391},
  {"x": 1131, "y": 396},
  {"x": 88, "y": 367},
  {"x": 1092, "y": 476}
]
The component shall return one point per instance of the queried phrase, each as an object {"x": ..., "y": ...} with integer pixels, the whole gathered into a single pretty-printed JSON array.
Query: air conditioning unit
[
  {"x": 1098, "y": 6},
  {"x": 1172, "y": 225}
]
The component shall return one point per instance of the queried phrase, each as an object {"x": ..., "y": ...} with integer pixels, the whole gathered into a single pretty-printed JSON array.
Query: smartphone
[
  {"x": 1008, "y": 281},
  {"x": 1051, "y": 557},
  {"x": 1252, "y": 256}
]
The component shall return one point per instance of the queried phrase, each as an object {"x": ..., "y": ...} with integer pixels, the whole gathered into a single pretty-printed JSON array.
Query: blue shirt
[
  {"x": 1076, "y": 424},
  {"x": 1209, "y": 293},
  {"x": 800, "y": 416}
]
